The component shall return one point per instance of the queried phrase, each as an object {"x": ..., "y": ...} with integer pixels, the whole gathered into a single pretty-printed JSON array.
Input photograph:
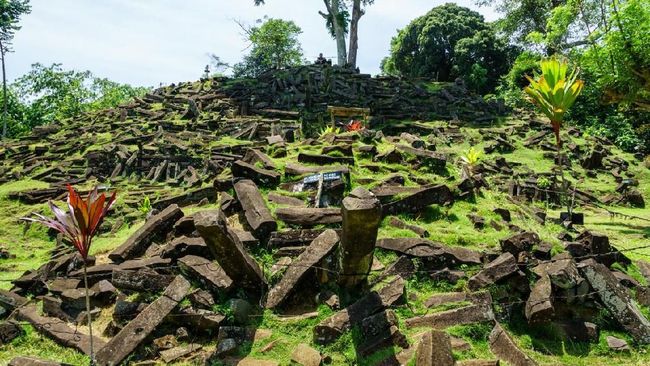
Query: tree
[
  {"x": 10, "y": 13},
  {"x": 274, "y": 44},
  {"x": 47, "y": 94},
  {"x": 445, "y": 43},
  {"x": 339, "y": 21}
]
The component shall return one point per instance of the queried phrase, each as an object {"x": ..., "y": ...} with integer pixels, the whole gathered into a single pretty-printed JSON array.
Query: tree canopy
[
  {"x": 48, "y": 94},
  {"x": 447, "y": 42},
  {"x": 273, "y": 44}
]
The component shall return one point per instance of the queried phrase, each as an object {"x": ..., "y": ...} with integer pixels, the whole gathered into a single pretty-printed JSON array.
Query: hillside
[{"x": 483, "y": 258}]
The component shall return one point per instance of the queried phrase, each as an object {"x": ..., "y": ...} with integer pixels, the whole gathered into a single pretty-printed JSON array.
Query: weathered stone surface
[
  {"x": 155, "y": 228},
  {"x": 183, "y": 245},
  {"x": 437, "y": 254},
  {"x": 173, "y": 354},
  {"x": 228, "y": 250},
  {"x": 522, "y": 242},
  {"x": 206, "y": 272},
  {"x": 262, "y": 177},
  {"x": 307, "y": 217},
  {"x": 9, "y": 331},
  {"x": 478, "y": 363},
  {"x": 331, "y": 328},
  {"x": 498, "y": 269},
  {"x": 379, "y": 331},
  {"x": 256, "y": 212},
  {"x": 451, "y": 297},
  {"x": 33, "y": 361},
  {"x": 57, "y": 330},
  {"x": 11, "y": 300},
  {"x": 128, "y": 339},
  {"x": 280, "y": 199},
  {"x": 434, "y": 349},
  {"x": 449, "y": 318},
  {"x": 617, "y": 344},
  {"x": 254, "y": 156},
  {"x": 361, "y": 213},
  {"x": 416, "y": 202},
  {"x": 427, "y": 158},
  {"x": 505, "y": 348},
  {"x": 539, "y": 306},
  {"x": 402, "y": 267},
  {"x": 616, "y": 299},
  {"x": 395, "y": 222},
  {"x": 324, "y": 159},
  {"x": 562, "y": 272},
  {"x": 504, "y": 213},
  {"x": 142, "y": 280},
  {"x": 293, "y": 237},
  {"x": 306, "y": 356},
  {"x": 322, "y": 246}
]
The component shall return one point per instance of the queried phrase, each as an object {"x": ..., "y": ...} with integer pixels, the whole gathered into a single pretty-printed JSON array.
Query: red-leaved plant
[
  {"x": 79, "y": 225},
  {"x": 354, "y": 126}
]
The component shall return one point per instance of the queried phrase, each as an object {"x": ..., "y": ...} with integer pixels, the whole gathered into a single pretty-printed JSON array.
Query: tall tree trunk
[
  {"x": 357, "y": 13},
  {"x": 333, "y": 7},
  {"x": 4, "y": 93}
]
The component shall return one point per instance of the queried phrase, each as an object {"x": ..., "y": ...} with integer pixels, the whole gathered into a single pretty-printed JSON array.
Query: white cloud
[{"x": 146, "y": 42}]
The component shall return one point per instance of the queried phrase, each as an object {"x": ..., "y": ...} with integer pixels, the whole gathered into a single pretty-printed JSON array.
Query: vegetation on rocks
[{"x": 311, "y": 214}]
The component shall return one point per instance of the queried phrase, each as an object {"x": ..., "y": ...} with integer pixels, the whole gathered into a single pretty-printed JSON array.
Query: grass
[{"x": 447, "y": 225}]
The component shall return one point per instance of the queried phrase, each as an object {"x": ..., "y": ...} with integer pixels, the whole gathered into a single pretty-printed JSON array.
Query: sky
[{"x": 149, "y": 42}]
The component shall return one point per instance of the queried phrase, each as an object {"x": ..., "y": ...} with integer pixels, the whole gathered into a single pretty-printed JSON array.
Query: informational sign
[{"x": 326, "y": 177}]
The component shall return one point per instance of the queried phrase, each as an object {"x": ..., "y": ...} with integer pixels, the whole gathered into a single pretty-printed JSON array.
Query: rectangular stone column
[
  {"x": 228, "y": 250},
  {"x": 361, "y": 214}
]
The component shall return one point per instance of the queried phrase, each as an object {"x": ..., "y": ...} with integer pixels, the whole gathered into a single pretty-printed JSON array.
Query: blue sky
[{"x": 148, "y": 42}]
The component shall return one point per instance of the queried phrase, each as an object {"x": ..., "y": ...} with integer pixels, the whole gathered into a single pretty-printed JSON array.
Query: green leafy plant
[
  {"x": 79, "y": 225},
  {"x": 543, "y": 182},
  {"x": 470, "y": 159},
  {"x": 328, "y": 131},
  {"x": 145, "y": 206},
  {"x": 554, "y": 92}
]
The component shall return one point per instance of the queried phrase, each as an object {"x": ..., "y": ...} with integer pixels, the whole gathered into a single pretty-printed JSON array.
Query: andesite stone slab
[
  {"x": 322, "y": 246},
  {"x": 155, "y": 228},
  {"x": 361, "y": 214},
  {"x": 138, "y": 329},
  {"x": 228, "y": 250}
]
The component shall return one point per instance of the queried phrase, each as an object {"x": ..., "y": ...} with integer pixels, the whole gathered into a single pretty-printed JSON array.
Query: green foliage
[
  {"x": 449, "y": 41},
  {"x": 274, "y": 45},
  {"x": 10, "y": 13},
  {"x": 145, "y": 206},
  {"x": 555, "y": 90},
  {"x": 329, "y": 130},
  {"x": 47, "y": 94},
  {"x": 543, "y": 182},
  {"x": 512, "y": 84}
]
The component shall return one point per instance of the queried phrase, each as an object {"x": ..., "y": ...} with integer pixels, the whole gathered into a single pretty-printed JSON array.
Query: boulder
[
  {"x": 500, "y": 268},
  {"x": 522, "y": 242},
  {"x": 539, "y": 306},
  {"x": 206, "y": 272},
  {"x": 333, "y": 327},
  {"x": 616, "y": 299}
]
